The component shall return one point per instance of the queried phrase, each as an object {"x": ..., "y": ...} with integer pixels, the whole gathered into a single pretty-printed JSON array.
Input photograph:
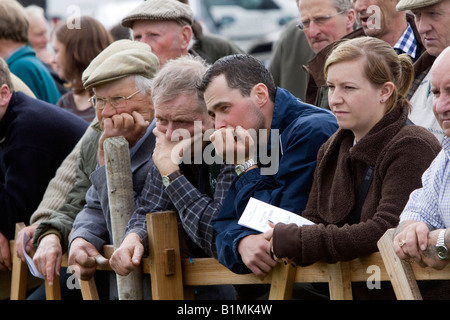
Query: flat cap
[
  {"x": 120, "y": 59},
  {"x": 404, "y": 5},
  {"x": 160, "y": 10}
]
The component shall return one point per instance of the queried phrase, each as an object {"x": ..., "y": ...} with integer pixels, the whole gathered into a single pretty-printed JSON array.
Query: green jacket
[
  {"x": 290, "y": 53},
  {"x": 60, "y": 222},
  {"x": 25, "y": 65}
]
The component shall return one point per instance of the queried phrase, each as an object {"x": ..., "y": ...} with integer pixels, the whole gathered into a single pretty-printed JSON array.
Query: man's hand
[
  {"x": 411, "y": 238},
  {"x": 29, "y": 230},
  {"x": 163, "y": 153},
  {"x": 235, "y": 146},
  {"x": 5, "y": 254},
  {"x": 414, "y": 240},
  {"x": 255, "y": 253},
  {"x": 83, "y": 256},
  {"x": 128, "y": 256},
  {"x": 48, "y": 257},
  {"x": 130, "y": 126}
]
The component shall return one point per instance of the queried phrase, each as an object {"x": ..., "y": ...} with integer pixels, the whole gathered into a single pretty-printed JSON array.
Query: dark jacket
[
  {"x": 398, "y": 153},
  {"x": 303, "y": 129},
  {"x": 290, "y": 53},
  {"x": 35, "y": 138}
]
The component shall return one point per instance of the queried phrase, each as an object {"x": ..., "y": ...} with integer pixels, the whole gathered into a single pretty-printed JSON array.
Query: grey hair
[
  {"x": 179, "y": 76},
  {"x": 143, "y": 83},
  {"x": 343, "y": 5},
  {"x": 340, "y": 5}
]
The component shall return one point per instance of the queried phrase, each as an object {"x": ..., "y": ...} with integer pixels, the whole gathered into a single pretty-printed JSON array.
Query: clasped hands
[
  {"x": 130, "y": 126},
  {"x": 415, "y": 242}
]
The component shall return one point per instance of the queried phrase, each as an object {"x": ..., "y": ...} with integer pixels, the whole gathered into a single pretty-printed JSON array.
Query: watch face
[
  {"x": 442, "y": 252},
  {"x": 165, "y": 181}
]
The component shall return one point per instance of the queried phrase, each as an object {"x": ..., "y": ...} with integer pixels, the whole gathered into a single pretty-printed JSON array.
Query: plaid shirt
[
  {"x": 195, "y": 208},
  {"x": 407, "y": 43},
  {"x": 431, "y": 203}
]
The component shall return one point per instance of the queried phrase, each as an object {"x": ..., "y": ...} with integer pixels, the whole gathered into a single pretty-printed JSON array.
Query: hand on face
[
  {"x": 234, "y": 145},
  {"x": 130, "y": 126}
]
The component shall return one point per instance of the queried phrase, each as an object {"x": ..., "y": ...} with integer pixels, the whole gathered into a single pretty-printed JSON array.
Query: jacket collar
[
  {"x": 368, "y": 148},
  {"x": 314, "y": 69}
]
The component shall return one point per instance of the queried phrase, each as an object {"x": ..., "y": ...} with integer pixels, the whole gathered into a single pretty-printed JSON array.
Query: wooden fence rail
[{"x": 172, "y": 276}]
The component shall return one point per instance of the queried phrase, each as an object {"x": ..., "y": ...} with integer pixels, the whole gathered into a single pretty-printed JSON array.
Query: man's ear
[
  {"x": 351, "y": 19},
  {"x": 186, "y": 34},
  {"x": 5, "y": 97},
  {"x": 260, "y": 93}
]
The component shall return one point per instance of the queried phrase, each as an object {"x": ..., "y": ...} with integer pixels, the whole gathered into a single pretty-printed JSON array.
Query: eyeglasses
[
  {"x": 116, "y": 102},
  {"x": 317, "y": 20}
]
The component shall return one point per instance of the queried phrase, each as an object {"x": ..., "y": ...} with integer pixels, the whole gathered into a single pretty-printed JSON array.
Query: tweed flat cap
[
  {"x": 120, "y": 59},
  {"x": 160, "y": 10},
  {"x": 404, "y": 5}
]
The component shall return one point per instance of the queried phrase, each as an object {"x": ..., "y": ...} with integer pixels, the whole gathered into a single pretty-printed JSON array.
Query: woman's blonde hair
[{"x": 381, "y": 64}]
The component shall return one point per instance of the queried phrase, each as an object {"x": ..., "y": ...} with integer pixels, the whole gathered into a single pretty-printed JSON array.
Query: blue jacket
[
  {"x": 303, "y": 129},
  {"x": 35, "y": 137},
  {"x": 24, "y": 64}
]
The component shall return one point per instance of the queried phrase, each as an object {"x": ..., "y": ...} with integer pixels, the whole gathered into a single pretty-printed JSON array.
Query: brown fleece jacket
[{"x": 399, "y": 155}]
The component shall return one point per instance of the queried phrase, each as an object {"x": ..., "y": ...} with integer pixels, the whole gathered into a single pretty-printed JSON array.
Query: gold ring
[{"x": 402, "y": 243}]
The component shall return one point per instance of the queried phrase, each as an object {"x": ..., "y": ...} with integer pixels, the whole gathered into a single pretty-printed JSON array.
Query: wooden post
[
  {"x": 165, "y": 258},
  {"x": 283, "y": 278},
  {"x": 121, "y": 204},
  {"x": 19, "y": 272},
  {"x": 53, "y": 292},
  {"x": 89, "y": 289},
  {"x": 400, "y": 272},
  {"x": 340, "y": 281}
]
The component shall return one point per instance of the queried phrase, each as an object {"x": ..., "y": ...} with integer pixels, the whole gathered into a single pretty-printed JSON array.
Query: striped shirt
[
  {"x": 431, "y": 203},
  {"x": 407, "y": 43}
]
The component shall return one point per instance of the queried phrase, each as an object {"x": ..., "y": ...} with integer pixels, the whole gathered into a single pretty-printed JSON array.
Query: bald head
[{"x": 440, "y": 87}]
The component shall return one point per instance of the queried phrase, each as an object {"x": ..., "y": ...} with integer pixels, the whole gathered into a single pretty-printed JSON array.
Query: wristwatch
[
  {"x": 441, "y": 248},
  {"x": 166, "y": 180},
  {"x": 240, "y": 168}
]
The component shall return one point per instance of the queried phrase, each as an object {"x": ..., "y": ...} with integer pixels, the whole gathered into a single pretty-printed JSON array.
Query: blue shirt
[
  {"x": 302, "y": 130},
  {"x": 407, "y": 43},
  {"x": 431, "y": 203}
]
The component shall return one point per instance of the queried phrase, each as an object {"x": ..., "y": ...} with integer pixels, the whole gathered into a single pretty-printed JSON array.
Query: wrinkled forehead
[
  {"x": 316, "y": 8},
  {"x": 184, "y": 107}
]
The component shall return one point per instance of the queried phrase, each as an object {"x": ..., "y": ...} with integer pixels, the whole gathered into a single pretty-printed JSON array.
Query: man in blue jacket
[
  {"x": 240, "y": 93},
  {"x": 35, "y": 137}
]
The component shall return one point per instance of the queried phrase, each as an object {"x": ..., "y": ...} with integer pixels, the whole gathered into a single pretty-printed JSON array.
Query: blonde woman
[{"x": 367, "y": 169}]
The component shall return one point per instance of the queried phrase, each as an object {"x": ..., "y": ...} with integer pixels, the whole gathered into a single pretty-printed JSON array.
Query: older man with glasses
[
  {"x": 121, "y": 78},
  {"x": 324, "y": 22},
  {"x": 124, "y": 108}
]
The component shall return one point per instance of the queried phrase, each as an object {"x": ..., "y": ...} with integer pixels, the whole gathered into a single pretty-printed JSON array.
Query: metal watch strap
[
  {"x": 441, "y": 248},
  {"x": 241, "y": 168},
  {"x": 441, "y": 239}
]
